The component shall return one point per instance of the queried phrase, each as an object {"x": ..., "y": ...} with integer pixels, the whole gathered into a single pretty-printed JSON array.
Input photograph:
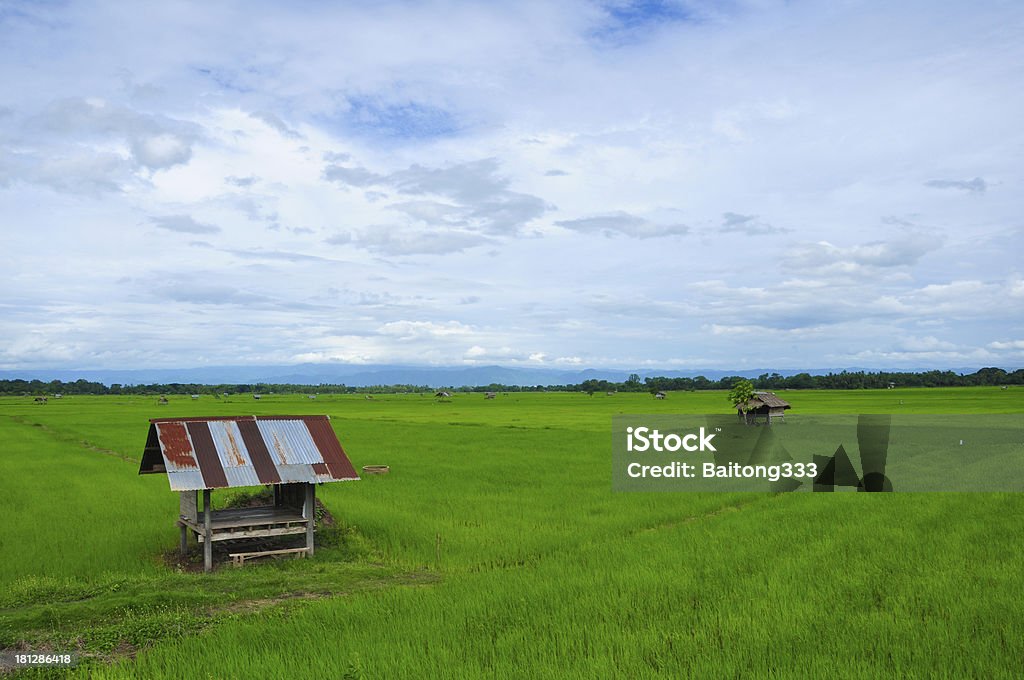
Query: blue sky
[{"x": 576, "y": 184}]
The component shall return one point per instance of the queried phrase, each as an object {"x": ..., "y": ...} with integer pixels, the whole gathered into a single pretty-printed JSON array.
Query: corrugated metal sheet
[
  {"x": 176, "y": 448},
  {"x": 289, "y": 442},
  {"x": 218, "y": 452},
  {"x": 338, "y": 464},
  {"x": 188, "y": 480},
  {"x": 258, "y": 452}
]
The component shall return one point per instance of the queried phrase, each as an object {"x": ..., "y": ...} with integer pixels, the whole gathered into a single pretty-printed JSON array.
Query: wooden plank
[
  {"x": 207, "y": 533},
  {"x": 232, "y": 527},
  {"x": 280, "y": 551},
  {"x": 242, "y": 523},
  {"x": 310, "y": 513},
  {"x": 232, "y": 514},
  {"x": 239, "y": 558},
  {"x": 187, "y": 506},
  {"x": 256, "y": 533}
]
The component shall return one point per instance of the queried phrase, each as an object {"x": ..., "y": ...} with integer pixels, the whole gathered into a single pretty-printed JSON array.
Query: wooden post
[
  {"x": 207, "y": 533},
  {"x": 309, "y": 512},
  {"x": 184, "y": 539}
]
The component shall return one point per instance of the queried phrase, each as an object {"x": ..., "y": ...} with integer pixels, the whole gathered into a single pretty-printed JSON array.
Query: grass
[{"x": 496, "y": 548}]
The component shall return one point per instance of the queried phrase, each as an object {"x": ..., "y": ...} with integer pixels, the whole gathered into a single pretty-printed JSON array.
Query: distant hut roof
[
  {"x": 768, "y": 399},
  {"x": 217, "y": 452}
]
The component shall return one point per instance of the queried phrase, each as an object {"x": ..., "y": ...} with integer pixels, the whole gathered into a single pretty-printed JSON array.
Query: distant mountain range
[{"x": 388, "y": 374}]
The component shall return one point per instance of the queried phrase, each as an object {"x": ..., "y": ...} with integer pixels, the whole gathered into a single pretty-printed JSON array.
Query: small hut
[
  {"x": 490, "y": 395},
  {"x": 659, "y": 395},
  {"x": 763, "y": 406},
  {"x": 291, "y": 453}
]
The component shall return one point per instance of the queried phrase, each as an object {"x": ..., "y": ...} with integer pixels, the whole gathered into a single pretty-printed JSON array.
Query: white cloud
[
  {"x": 160, "y": 150},
  {"x": 528, "y": 183},
  {"x": 413, "y": 330},
  {"x": 899, "y": 251},
  {"x": 156, "y": 142},
  {"x": 623, "y": 223},
  {"x": 748, "y": 224},
  {"x": 976, "y": 185},
  {"x": 926, "y": 344},
  {"x": 1010, "y": 345},
  {"x": 470, "y": 195},
  {"x": 389, "y": 239},
  {"x": 184, "y": 224}
]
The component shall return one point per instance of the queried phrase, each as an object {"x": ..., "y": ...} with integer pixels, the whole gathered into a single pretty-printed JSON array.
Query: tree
[{"x": 742, "y": 391}]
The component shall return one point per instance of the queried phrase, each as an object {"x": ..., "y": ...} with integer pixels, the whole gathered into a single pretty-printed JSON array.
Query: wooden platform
[
  {"x": 248, "y": 523},
  {"x": 293, "y": 512}
]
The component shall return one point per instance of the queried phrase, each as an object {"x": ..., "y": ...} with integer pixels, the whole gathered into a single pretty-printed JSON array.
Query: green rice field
[{"x": 496, "y": 548}]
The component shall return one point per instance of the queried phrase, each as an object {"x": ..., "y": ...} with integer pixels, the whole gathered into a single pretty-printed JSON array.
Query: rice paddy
[{"x": 495, "y": 547}]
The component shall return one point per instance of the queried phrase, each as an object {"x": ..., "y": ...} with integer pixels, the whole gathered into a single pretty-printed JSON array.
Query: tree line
[{"x": 844, "y": 380}]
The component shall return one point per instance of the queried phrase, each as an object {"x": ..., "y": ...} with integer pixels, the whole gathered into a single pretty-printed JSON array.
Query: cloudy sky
[{"x": 582, "y": 183}]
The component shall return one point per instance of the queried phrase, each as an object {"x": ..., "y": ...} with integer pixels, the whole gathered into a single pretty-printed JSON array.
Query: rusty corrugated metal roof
[{"x": 218, "y": 452}]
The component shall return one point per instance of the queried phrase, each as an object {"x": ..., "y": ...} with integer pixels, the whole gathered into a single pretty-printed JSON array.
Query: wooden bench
[{"x": 238, "y": 559}]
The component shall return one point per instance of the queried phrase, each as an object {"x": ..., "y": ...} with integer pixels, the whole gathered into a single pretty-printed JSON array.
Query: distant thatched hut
[
  {"x": 659, "y": 395},
  {"x": 490, "y": 395},
  {"x": 763, "y": 406}
]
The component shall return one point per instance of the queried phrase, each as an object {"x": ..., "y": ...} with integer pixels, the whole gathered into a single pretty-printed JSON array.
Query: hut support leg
[
  {"x": 309, "y": 511},
  {"x": 184, "y": 539},
  {"x": 207, "y": 533}
]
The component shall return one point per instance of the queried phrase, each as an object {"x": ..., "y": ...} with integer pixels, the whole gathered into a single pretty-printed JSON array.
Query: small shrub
[{"x": 250, "y": 499}]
